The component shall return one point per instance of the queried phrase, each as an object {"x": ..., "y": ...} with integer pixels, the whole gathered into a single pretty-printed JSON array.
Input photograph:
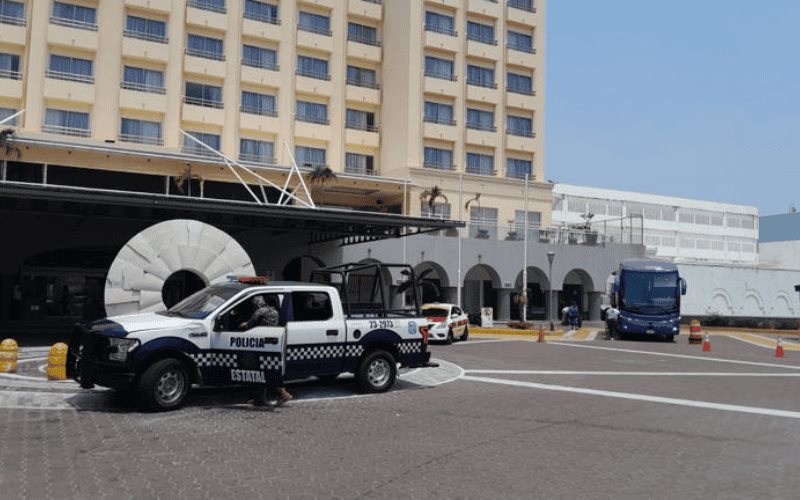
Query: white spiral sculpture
[{"x": 138, "y": 273}]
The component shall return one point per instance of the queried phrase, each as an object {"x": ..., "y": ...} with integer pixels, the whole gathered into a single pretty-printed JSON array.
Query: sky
[{"x": 690, "y": 98}]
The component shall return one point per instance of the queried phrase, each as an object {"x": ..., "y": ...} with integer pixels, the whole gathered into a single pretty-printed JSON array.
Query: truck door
[
  {"x": 315, "y": 336},
  {"x": 245, "y": 347}
]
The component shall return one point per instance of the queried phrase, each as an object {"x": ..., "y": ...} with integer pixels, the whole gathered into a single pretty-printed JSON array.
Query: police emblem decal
[{"x": 412, "y": 327}]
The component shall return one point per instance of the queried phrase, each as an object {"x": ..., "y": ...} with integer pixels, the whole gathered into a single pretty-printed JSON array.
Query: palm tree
[
  {"x": 321, "y": 175},
  {"x": 8, "y": 144},
  {"x": 430, "y": 196}
]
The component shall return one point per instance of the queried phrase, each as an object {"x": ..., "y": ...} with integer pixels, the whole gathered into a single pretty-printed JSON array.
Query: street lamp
[{"x": 550, "y": 256}]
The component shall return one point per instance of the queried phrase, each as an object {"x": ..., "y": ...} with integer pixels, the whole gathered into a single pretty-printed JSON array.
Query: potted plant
[
  {"x": 590, "y": 237},
  {"x": 512, "y": 232}
]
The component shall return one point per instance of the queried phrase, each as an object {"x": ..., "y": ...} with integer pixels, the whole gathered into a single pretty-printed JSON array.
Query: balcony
[
  {"x": 259, "y": 29},
  {"x": 71, "y": 131},
  {"x": 522, "y": 12},
  {"x": 314, "y": 39},
  {"x": 12, "y": 20},
  {"x": 364, "y": 51},
  {"x": 203, "y": 114},
  {"x": 206, "y": 66},
  {"x": 442, "y": 41},
  {"x": 257, "y": 159},
  {"x": 439, "y": 166},
  {"x": 442, "y": 84},
  {"x": 139, "y": 48},
  {"x": 265, "y": 123},
  {"x": 313, "y": 74},
  {"x": 208, "y": 5},
  {"x": 525, "y": 5},
  {"x": 488, "y": 8},
  {"x": 129, "y": 98},
  {"x": 145, "y": 36},
  {"x": 69, "y": 90},
  {"x": 215, "y": 56},
  {"x": 70, "y": 77},
  {"x": 12, "y": 33},
  {"x": 487, "y": 172},
  {"x": 198, "y": 101},
  {"x": 359, "y": 170},
  {"x": 65, "y": 35},
  {"x": 521, "y": 58},
  {"x": 164, "y": 6},
  {"x": 441, "y": 130},
  {"x": 10, "y": 75},
  {"x": 142, "y": 87},
  {"x": 482, "y": 50},
  {"x": 365, "y": 136},
  {"x": 262, "y": 18},
  {"x": 141, "y": 139},
  {"x": 313, "y": 83},
  {"x": 363, "y": 94},
  {"x": 207, "y": 18},
  {"x": 370, "y": 9},
  {"x": 72, "y": 23},
  {"x": 319, "y": 120}
]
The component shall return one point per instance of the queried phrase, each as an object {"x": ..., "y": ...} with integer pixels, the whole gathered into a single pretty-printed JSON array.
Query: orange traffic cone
[
  {"x": 779, "y": 348},
  {"x": 541, "y": 335},
  {"x": 706, "y": 344}
]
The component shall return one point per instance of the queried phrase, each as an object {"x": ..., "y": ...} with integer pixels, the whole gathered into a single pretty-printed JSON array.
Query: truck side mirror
[{"x": 683, "y": 286}]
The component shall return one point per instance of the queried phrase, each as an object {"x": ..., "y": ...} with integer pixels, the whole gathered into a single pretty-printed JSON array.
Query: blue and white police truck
[
  {"x": 322, "y": 329},
  {"x": 648, "y": 296}
]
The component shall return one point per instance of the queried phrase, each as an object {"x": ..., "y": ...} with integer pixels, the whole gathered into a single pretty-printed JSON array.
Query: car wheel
[
  {"x": 377, "y": 372},
  {"x": 449, "y": 339},
  {"x": 164, "y": 385},
  {"x": 465, "y": 335}
]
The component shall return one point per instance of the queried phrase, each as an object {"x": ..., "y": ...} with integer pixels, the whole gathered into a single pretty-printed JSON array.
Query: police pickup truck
[{"x": 344, "y": 324}]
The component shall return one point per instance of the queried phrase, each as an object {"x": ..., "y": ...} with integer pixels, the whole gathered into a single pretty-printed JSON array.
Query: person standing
[
  {"x": 612, "y": 322},
  {"x": 574, "y": 314}
]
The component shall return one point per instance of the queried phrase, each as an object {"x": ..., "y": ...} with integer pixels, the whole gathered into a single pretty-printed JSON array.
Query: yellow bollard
[
  {"x": 8, "y": 356},
  {"x": 57, "y": 362}
]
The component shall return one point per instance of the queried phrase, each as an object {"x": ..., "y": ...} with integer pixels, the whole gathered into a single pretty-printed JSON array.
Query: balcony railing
[
  {"x": 12, "y": 20},
  {"x": 521, "y": 133},
  {"x": 374, "y": 1},
  {"x": 481, "y": 171},
  {"x": 361, "y": 126},
  {"x": 255, "y": 63},
  {"x": 522, "y": 48},
  {"x": 516, "y": 174},
  {"x": 217, "y": 56},
  {"x": 262, "y": 18},
  {"x": 359, "y": 170},
  {"x": 363, "y": 83},
  {"x": 73, "y": 131},
  {"x": 481, "y": 83},
  {"x": 199, "y": 101},
  {"x": 526, "y": 5},
  {"x": 254, "y": 158},
  {"x": 255, "y": 110},
  {"x": 71, "y": 77},
  {"x": 72, "y": 23},
  {"x": 626, "y": 231},
  {"x": 483, "y": 39},
  {"x": 10, "y": 74},
  {"x": 143, "y": 87},
  {"x": 440, "y": 29},
  {"x": 195, "y": 149},
  {"x": 440, "y": 121},
  {"x": 313, "y": 119},
  {"x": 141, "y": 139},
  {"x": 439, "y": 166},
  {"x": 313, "y": 74},
  {"x": 146, "y": 36},
  {"x": 441, "y": 75},
  {"x": 517, "y": 90},
  {"x": 315, "y": 29},
  {"x": 364, "y": 39},
  {"x": 206, "y": 5},
  {"x": 482, "y": 126}
]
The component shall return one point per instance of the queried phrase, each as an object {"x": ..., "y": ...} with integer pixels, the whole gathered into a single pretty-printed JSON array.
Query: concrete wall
[{"x": 780, "y": 254}]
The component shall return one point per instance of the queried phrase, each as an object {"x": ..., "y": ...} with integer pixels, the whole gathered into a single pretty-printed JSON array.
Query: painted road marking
[
  {"x": 641, "y": 397},
  {"x": 488, "y": 341},
  {"x": 683, "y": 356},
  {"x": 633, "y": 374},
  {"x": 762, "y": 341}
]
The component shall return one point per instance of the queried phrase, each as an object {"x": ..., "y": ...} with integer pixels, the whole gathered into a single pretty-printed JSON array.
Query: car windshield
[
  {"x": 204, "y": 302},
  {"x": 435, "y": 312},
  {"x": 649, "y": 292}
]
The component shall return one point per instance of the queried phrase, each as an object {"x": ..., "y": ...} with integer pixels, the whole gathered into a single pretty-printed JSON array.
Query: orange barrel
[
  {"x": 57, "y": 362},
  {"x": 695, "y": 335},
  {"x": 9, "y": 351}
]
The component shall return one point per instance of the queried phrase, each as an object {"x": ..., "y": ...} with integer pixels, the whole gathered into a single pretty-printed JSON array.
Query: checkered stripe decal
[
  {"x": 314, "y": 352},
  {"x": 215, "y": 359},
  {"x": 269, "y": 362},
  {"x": 354, "y": 351},
  {"x": 409, "y": 347}
]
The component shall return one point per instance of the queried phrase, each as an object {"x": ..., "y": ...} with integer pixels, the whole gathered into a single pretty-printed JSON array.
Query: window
[
  {"x": 440, "y": 210},
  {"x": 312, "y": 112},
  {"x": 261, "y": 11},
  {"x": 68, "y": 14},
  {"x": 355, "y": 163},
  {"x": 211, "y": 140},
  {"x": 360, "y": 120},
  {"x": 12, "y": 12},
  {"x": 203, "y": 46},
  {"x": 313, "y": 67},
  {"x": 526, "y": 5},
  {"x": 439, "y": 113},
  {"x": 440, "y": 23},
  {"x": 534, "y": 221},
  {"x": 483, "y": 33},
  {"x": 362, "y": 77},
  {"x": 143, "y": 80},
  {"x": 518, "y": 168},
  {"x": 60, "y": 121},
  {"x": 201, "y": 94},
  {"x": 519, "y": 125},
  {"x": 140, "y": 131},
  {"x": 9, "y": 66},
  {"x": 256, "y": 151},
  {"x": 362, "y": 34},
  {"x": 483, "y": 222},
  {"x": 480, "y": 120},
  {"x": 70, "y": 68},
  {"x": 146, "y": 29},
  {"x": 311, "y": 306},
  {"x": 259, "y": 57},
  {"x": 212, "y": 5},
  {"x": 520, "y": 41},
  {"x": 439, "y": 68},
  {"x": 480, "y": 164},
  {"x": 5, "y": 113},
  {"x": 258, "y": 104},
  {"x": 314, "y": 23},
  {"x": 438, "y": 158},
  {"x": 308, "y": 156},
  {"x": 520, "y": 84},
  {"x": 480, "y": 76}
]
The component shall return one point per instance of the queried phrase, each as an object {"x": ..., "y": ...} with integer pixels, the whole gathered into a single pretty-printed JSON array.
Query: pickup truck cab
[{"x": 205, "y": 340}]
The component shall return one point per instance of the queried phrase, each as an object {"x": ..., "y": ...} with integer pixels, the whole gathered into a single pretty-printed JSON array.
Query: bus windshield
[{"x": 649, "y": 292}]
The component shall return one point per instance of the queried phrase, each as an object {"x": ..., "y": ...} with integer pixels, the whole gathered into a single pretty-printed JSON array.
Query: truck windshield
[
  {"x": 204, "y": 302},
  {"x": 435, "y": 312},
  {"x": 649, "y": 292}
]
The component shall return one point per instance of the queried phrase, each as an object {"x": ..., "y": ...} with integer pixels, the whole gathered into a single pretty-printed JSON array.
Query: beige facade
[{"x": 395, "y": 96}]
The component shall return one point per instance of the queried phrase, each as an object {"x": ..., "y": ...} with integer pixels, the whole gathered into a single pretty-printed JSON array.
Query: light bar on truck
[{"x": 248, "y": 280}]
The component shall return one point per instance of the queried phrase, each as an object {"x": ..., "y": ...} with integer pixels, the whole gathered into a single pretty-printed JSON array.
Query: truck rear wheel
[
  {"x": 164, "y": 385},
  {"x": 377, "y": 372}
]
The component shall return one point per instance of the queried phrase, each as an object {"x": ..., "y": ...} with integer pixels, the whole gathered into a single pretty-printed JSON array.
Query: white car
[{"x": 446, "y": 322}]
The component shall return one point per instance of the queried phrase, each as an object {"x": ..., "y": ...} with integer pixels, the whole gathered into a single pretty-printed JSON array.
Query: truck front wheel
[
  {"x": 377, "y": 372},
  {"x": 164, "y": 385}
]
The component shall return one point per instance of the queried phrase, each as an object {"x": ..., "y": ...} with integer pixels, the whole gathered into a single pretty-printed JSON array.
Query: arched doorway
[
  {"x": 538, "y": 288},
  {"x": 300, "y": 268},
  {"x": 434, "y": 285},
  {"x": 579, "y": 288},
  {"x": 480, "y": 288}
]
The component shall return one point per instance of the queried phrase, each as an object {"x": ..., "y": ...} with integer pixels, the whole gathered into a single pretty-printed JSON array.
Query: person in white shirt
[{"x": 612, "y": 321}]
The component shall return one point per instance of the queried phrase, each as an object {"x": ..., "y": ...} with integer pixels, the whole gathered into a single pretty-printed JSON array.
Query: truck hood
[{"x": 121, "y": 326}]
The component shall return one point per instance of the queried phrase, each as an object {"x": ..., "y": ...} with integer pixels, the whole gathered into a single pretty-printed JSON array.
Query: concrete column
[
  {"x": 594, "y": 299},
  {"x": 552, "y": 308},
  {"x": 503, "y": 305},
  {"x": 105, "y": 119},
  {"x": 173, "y": 76}
]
